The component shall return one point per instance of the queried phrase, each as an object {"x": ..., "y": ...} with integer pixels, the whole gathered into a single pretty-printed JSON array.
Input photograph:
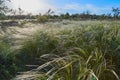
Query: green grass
[
  {"x": 99, "y": 46},
  {"x": 75, "y": 50},
  {"x": 7, "y": 65}
]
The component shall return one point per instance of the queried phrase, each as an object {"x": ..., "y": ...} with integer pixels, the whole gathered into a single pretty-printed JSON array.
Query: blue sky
[{"x": 63, "y": 6}]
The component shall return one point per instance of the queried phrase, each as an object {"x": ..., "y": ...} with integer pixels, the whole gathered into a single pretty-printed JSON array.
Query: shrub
[
  {"x": 7, "y": 65},
  {"x": 42, "y": 19},
  {"x": 38, "y": 44}
]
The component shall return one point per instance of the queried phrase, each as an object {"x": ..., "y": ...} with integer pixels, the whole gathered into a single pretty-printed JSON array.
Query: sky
[{"x": 63, "y": 6}]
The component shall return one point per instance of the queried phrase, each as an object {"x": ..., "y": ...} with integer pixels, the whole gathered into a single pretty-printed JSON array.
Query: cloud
[
  {"x": 72, "y": 6},
  {"x": 42, "y": 6},
  {"x": 34, "y": 6},
  {"x": 81, "y": 8}
]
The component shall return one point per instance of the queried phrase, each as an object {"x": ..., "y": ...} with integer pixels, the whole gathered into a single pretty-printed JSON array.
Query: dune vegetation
[{"x": 69, "y": 50}]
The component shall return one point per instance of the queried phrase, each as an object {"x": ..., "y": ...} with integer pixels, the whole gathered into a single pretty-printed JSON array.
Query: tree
[
  {"x": 67, "y": 15},
  {"x": 13, "y": 12},
  {"x": 3, "y": 8},
  {"x": 49, "y": 12},
  {"x": 116, "y": 12},
  {"x": 20, "y": 11}
]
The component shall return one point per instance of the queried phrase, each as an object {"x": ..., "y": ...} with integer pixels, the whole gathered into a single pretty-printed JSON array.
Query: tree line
[{"x": 19, "y": 14}]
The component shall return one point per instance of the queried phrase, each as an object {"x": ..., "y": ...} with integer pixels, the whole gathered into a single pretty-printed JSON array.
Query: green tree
[
  {"x": 67, "y": 15},
  {"x": 3, "y": 8},
  {"x": 116, "y": 12},
  {"x": 20, "y": 11}
]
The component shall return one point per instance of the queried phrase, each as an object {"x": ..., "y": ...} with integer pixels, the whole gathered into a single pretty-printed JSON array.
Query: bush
[
  {"x": 7, "y": 65},
  {"x": 38, "y": 44},
  {"x": 42, "y": 19}
]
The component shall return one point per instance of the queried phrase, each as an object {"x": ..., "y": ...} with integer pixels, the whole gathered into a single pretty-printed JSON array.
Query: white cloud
[
  {"x": 81, "y": 8},
  {"x": 34, "y": 6},
  {"x": 42, "y": 6},
  {"x": 72, "y": 6}
]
